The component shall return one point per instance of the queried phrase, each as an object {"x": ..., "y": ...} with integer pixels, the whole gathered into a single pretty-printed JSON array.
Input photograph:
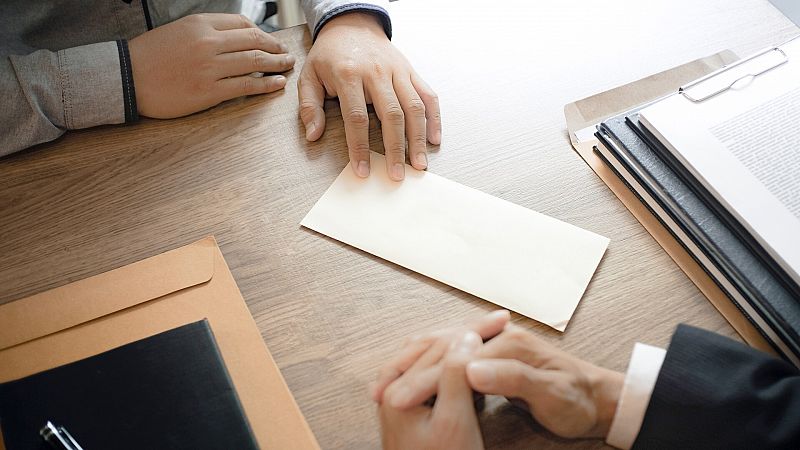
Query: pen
[{"x": 58, "y": 437}]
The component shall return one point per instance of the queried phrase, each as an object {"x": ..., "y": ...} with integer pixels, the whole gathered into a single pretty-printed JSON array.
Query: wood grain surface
[{"x": 331, "y": 315}]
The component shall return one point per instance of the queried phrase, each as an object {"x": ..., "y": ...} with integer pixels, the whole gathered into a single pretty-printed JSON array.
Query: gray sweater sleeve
[
  {"x": 319, "y": 12},
  {"x": 46, "y": 93}
]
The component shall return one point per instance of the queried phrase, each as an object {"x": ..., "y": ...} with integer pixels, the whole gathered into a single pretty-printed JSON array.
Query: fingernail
[
  {"x": 362, "y": 169},
  {"x": 437, "y": 137},
  {"x": 467, "y": 344},
  {"x": 284, "y": 47},
  {"x": 398, "y": 171},
  {"x": 422, "y": 160},
  {"x": 290, "y": 60},
  {"x": 481, "y": 373},
  {"x": 310, "y": 128},
  {"x": 400, "y": 397},
  {"x": 281, "y": 80}
]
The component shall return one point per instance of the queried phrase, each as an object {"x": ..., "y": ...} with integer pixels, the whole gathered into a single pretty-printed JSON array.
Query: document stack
[{"x": 718, "y": 162}]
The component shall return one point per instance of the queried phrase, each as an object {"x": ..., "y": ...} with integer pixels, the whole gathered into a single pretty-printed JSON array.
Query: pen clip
[{"x": 58, "y": 437}]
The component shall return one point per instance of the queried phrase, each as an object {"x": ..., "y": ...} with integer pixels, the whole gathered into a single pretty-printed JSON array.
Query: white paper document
[
  {"x": 743, "y": 145},
  {"x": 501, "y": 252}
]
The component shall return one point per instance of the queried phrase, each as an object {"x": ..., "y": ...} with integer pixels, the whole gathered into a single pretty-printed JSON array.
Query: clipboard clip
[{"x": 780, "y": 56}]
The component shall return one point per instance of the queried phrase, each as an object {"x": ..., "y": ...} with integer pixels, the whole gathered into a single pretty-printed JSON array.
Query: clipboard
[
  {"x": 582, "y": 117},
  {"x": 185, "y": 285}
]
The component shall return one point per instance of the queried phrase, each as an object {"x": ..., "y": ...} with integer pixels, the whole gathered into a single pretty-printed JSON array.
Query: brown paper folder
[
  {"x": 90, "y": 316},
  {"x": 584, "y": 114}
]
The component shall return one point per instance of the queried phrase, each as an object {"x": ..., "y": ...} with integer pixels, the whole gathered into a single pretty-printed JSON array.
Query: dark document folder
[
  {"x": 755, "y": 288},
  {"x": 168, "y": 391}
]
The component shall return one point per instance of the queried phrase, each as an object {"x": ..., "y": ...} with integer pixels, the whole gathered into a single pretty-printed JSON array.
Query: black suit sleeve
[{"x": 715, "y": 393}]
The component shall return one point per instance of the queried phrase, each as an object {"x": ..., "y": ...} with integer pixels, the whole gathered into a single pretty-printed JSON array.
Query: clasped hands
[
  {"x": 201, "y": 60},
  {"x": 570, "y": 397}
]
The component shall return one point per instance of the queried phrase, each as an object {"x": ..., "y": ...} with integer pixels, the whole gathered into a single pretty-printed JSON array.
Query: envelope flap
[{"x": 85, "y": 300}]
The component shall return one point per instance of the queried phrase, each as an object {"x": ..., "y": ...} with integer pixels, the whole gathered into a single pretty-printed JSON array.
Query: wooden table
[{"x": 101, "y": 198}]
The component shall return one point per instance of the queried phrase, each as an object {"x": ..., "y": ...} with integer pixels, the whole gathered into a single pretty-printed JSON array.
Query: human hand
[
  {"x": 353, "y": 59},
  {"x": 566, "y": 395},
  {"x": 201, "y": 60},
  {"x": 433, "y": 346},
  {"x": 452, "y": 422}
]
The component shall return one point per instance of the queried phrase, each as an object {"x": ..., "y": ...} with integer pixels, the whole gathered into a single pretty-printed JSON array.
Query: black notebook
[
  {"x": 168, "y": 391},
  {"x": 741, "y": 273}
]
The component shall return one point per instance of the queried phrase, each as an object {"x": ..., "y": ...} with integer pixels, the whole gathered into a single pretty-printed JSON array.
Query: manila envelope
[
  {"x": 583, "y": 115},
  {"x": 182, "y": 286}
]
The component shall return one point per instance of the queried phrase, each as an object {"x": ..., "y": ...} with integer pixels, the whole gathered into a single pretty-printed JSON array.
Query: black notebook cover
[
  {"x": 168, "y": 391},
  {"x": 632, "y": 120},
  {"x": 754, "y": 280}
]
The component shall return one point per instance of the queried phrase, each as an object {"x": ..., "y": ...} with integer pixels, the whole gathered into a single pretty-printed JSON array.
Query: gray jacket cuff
[
  {"x": 320, "y": 12},
  {"x": 97, "y": 85}
]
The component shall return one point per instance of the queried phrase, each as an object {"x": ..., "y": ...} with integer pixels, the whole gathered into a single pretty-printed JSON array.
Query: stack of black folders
[
  {"x": 715, "y": 239},
  {"x": 168, "y": 391}
]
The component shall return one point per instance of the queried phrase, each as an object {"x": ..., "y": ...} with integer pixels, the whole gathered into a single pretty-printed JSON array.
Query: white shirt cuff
[{"x": 640, "y": 381}]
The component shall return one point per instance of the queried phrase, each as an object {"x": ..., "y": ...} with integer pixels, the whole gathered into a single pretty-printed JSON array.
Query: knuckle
[
  {"x": 207, "y": 42},
  {"x": 347, "y": 71},
  {"x": 394, "y": 114},
  {"x": 195, "y": 19},
  {"x": 436, "y": 115},
  {"x": 419, "y": 140},
  {"x": 246, "y": 85},
  {"x": 358, "y": 117},
  {"x": 256, "y": 37},
  {"x": 378, "y": 69},
  {"x": 259, "y": 59},
  {"x": 359, "y": 150},
  {"x": 416, "y": 107}
]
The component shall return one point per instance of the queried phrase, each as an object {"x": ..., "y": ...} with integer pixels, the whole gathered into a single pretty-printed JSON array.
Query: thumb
[
  {"x": 311, "y": 94},
  {"x": 507, "y": 377},
  {"x": 455, "y": 394}
]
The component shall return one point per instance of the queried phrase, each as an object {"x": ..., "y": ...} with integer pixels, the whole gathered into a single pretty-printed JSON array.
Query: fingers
[
  {"x": 490, "y": 325},
  {"x": 394, "y": 368},
  {"x": 390, "y": 113},
  {"x": 242, "y": 63},
  {"x": 311, "y": 95},
  {"x": 229, "y": 88},
  {"x": 516, "y": 343},
  {"x": 409, "y": 390},
  {"x": 506, "y": 377},
  {"x": 244, "y": 39},
  {"x": 416, "y": 389},
  {"x": 414, "y": 111},
  {"x": 356, "y": 124},
  {"x": 421, "y": 384},
  {"x": 433, "y": 115},
  {"x": 454, "y": 399}
]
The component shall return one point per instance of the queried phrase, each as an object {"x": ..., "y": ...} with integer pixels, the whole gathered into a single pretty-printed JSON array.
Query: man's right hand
[
  {"x": 201, "y": 60},
  {"x": 570, "y": 397}
]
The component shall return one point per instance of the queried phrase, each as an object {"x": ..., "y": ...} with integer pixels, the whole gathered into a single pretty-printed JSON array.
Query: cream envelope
[
  {"x": 501, "y": 252},
  {"x": 178, "y": 287}
]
